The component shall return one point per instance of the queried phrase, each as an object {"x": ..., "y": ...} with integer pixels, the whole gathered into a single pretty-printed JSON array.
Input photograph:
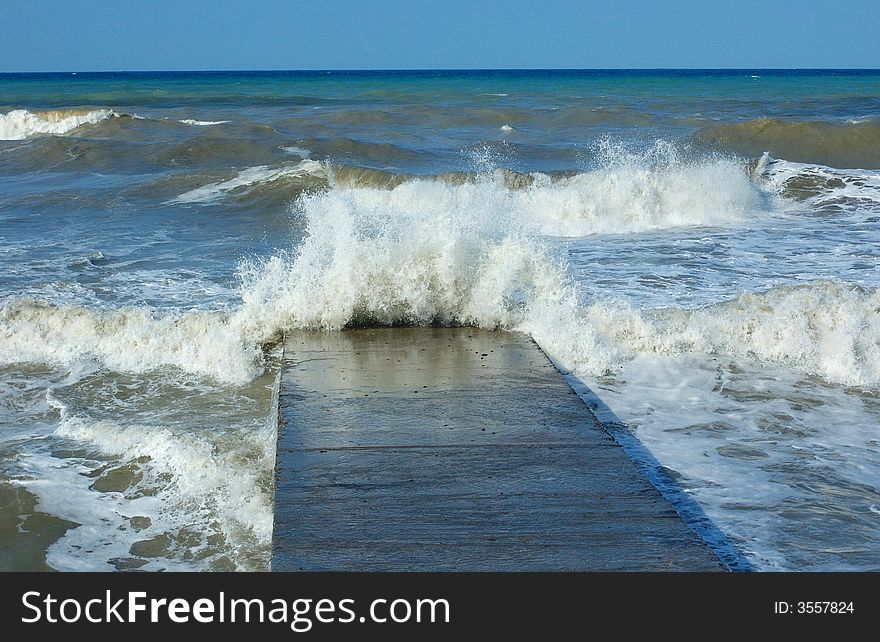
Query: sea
[{"x": 699, "y": 250}]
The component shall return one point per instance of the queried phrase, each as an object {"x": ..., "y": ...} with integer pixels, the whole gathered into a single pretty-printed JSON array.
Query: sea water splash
[
  {"x": 626, "y": 192},
  {"x": 424, "y": 251},
  {"x": 440, "y": 250},
  {"x": 428, "y": 251}
]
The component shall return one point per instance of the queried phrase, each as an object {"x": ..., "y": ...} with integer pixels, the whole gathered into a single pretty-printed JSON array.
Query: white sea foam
[
  {"x": 203, "y": 123},
  {"x": 428, "y": 251},
  {"x": 21, "y": 123},
  {"x": 631, "y": 197},
  {"x": 823, "y": 328},
  {"x": 127, "y": 339},
  {"x": 249, "y": 177},
  {"x": 296, "y": 151},
  {"x": 181, "y": 483},
  {"x": 628, "y": 192},
  {"x": 820, "y": 186},
  {"x": 798, "y": 451}
]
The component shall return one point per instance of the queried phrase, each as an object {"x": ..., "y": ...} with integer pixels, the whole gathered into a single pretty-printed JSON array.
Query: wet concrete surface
[{"x": 456, "y": 449}]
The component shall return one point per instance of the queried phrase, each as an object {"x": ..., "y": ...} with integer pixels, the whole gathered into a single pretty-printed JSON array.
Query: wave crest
[
  {"x": 627, "y": 192},
  {"x": 467, "y": 249},
  {"x": 823, "y": 328},
  {"x": 127, "y": 340},
  {"x": 21, "y": 123},
  {"x": 823, "y": 188}
]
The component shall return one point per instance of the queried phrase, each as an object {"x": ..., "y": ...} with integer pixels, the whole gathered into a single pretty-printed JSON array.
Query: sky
[{"x": 133, "y": 35}]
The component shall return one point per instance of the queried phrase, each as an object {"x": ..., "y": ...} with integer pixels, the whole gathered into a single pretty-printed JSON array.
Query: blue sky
[{"x": 86, "y": 35}]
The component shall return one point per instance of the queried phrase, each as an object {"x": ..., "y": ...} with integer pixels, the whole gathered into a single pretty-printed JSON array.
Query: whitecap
[{"x": 21, "y": 123}]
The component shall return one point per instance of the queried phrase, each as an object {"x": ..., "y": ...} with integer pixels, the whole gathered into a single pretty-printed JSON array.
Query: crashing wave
[
  {"x": 823, "y": 188},
  {"x": 628, "y": 192},
  {"x": 469, "y": 250},
  {"x": 127, "y": 339},
  {"x": 21, "y": 123},
  {"x": 371, "y": 263}
]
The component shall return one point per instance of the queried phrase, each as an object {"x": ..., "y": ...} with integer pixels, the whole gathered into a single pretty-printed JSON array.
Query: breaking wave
[
  {"x": 823, "y": 188},
  {"x": 824, "y": 328},
  {"x": 127, "y": 339},
  {"x": 21, "y": 123},
  {"x": 157, "y": 488},
  {"x": 363, "y": 264},
  {"x": 470, "y": 250},
  {"x": 628, "y": 192}
]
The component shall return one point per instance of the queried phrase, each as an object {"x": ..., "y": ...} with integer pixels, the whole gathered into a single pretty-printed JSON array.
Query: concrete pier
[{"x": 455, "y": 449}]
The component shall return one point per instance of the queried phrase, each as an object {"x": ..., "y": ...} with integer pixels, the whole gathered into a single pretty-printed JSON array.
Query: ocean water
[{"x": 700, "y": 249}]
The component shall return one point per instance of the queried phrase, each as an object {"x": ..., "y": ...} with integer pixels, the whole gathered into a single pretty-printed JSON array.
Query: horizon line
[{"x": 445, "y": 69}]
